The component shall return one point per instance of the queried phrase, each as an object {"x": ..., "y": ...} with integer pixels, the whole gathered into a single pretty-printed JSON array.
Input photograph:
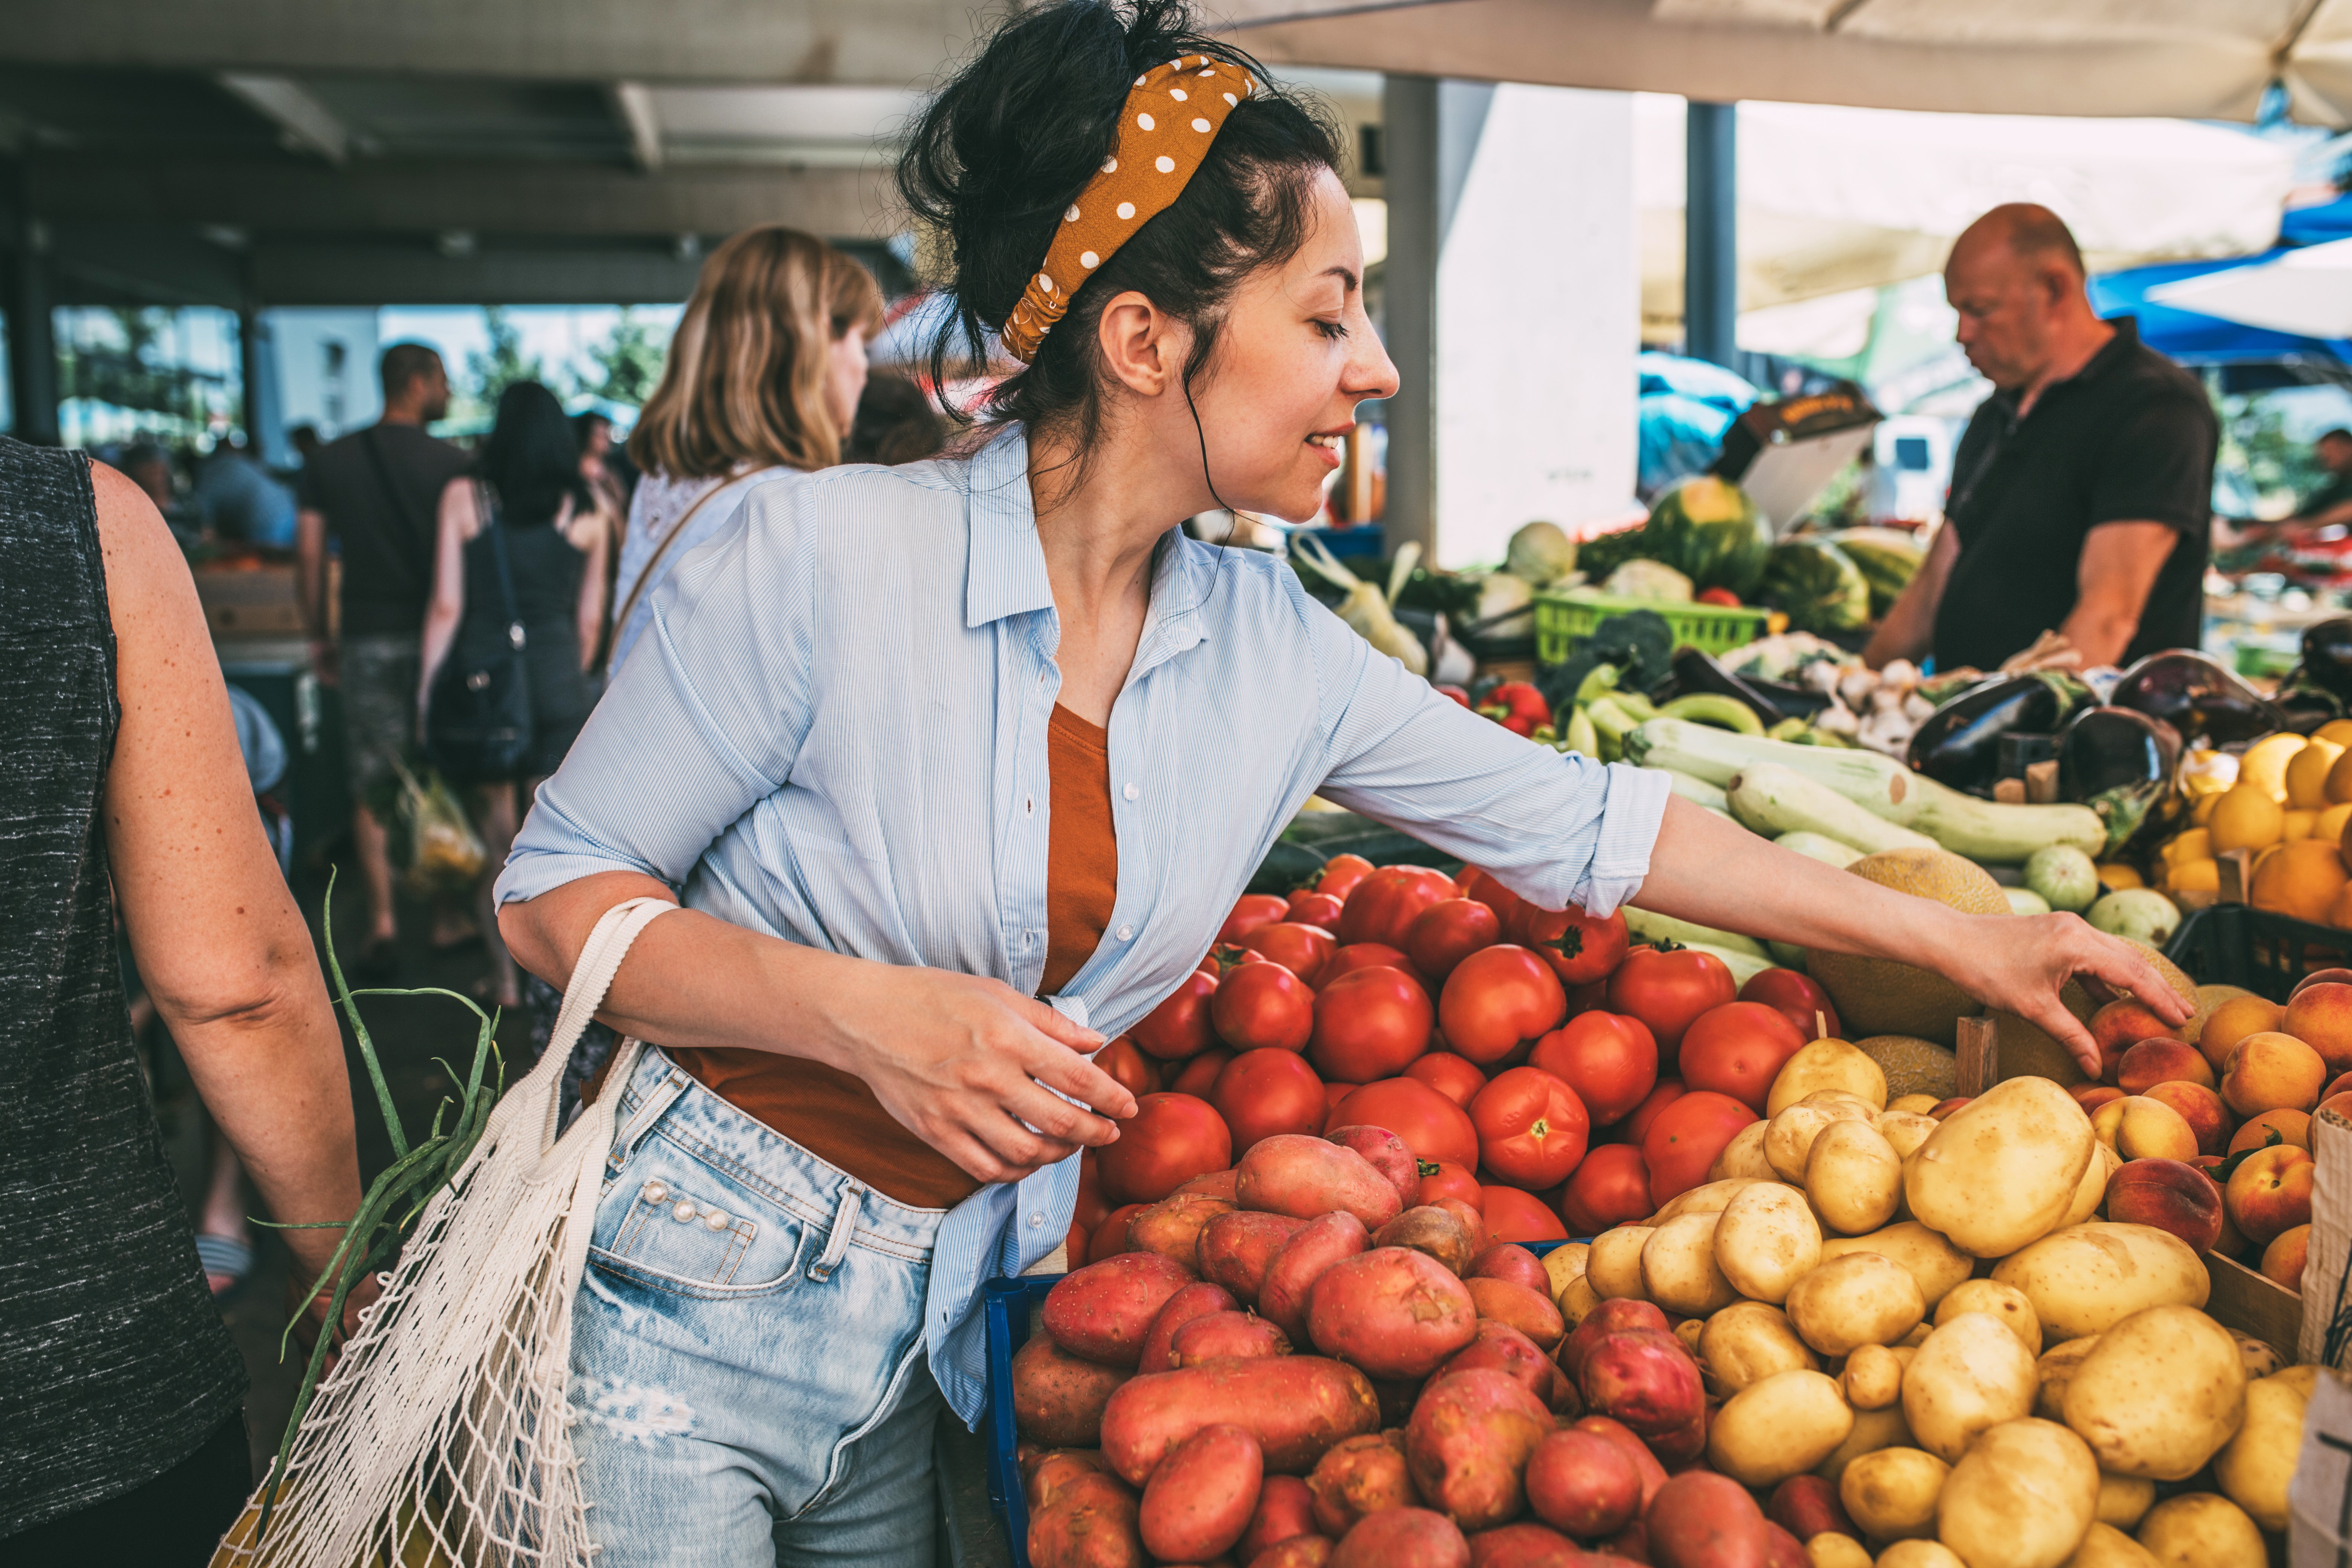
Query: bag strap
[
  {"x": 600, "y": 960},
  {"x": 646, "y": 575},
  {"x": 493, "y": 524}
]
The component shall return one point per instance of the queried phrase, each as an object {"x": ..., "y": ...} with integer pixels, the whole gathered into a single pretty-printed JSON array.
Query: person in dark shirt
[
  {"x": 2081, "y": 491},
  {"x": 2329, "y": 506},
  {"x": 378, "y": 492}
]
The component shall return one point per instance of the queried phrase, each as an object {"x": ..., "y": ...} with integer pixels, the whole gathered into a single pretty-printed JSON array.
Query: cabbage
[
  {"x": 1708, "y": 529},
  {"x": 1648, "y": 579},
  {"x": 1500, "y": 593},
  {"x": 1541, "y": 555},
  {"x": 1818, "y": 585}
]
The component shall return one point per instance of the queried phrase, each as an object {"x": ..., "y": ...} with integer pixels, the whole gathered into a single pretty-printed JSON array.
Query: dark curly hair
[{"x": 1009, "y": 141}]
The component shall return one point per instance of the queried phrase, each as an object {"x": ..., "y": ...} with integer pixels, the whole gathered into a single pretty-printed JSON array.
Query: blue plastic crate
[{"x": 1007, "y": 1306}]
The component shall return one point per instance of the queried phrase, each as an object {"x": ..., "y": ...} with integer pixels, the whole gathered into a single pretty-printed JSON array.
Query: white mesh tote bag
[{"x": 441, "y": 1436}]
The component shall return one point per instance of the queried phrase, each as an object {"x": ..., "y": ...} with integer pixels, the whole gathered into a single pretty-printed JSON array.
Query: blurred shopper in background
[
  {"x": 377, "y": 492},
  {"x": 761, "y": 381},
  {"x": 122, "y": 787},
  {"x": 240, "y": 500},
  {"x": 556, "y": 536},
  {"x": 897, "y": 423},
  {"x": 149, "y": 465}
]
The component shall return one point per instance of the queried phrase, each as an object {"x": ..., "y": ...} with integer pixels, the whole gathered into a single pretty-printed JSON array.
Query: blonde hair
[{"x": 744, "y": 382}]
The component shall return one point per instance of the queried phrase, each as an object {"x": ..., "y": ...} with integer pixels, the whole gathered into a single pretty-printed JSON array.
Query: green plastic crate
[{"x": 1561, "y": 618}]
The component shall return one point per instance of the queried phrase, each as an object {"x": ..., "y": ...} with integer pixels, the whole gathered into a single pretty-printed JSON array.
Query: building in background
[{"x": 326, "y": 368}]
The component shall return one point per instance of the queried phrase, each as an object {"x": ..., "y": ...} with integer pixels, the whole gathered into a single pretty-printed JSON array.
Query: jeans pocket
[{"x": 670, "y": 1221}]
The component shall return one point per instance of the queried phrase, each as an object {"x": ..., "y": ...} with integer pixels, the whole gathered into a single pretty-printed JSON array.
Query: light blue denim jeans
[{"x": 748, "y": 1370}]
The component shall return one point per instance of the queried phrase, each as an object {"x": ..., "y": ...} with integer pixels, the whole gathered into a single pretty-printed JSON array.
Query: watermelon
[
  {"x": 1818, "y": 585},
  {"x": 1889, "y": 558},
  {"x": 1707, "y": 529}
]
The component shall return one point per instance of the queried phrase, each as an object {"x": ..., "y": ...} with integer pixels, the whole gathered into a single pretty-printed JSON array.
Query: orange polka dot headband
[{"x": 1173, "y": 115}]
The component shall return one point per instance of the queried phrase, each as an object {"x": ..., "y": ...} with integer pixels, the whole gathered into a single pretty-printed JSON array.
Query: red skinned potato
[
  {"x": 1090, "y": 1524},
  {"x": 1297, "y": 1551},
  {"x": 1057, "y": 1397},
  {"x": 1473, "y": 1217},
  {"x": 1286, "y": 1509},
  {"x": 1110, "y": 1239},
  {"x": 1361, "y": 1476},
  {"x": 1104, "y": 1311},
  {"x": 1782, "y": 1549},
  {"x": 1653, "y": 1474},
  {"x": 1282, "y": 1297},
  {"x": 1701, "y": 1519},
  {"x": 1171, "y": 1227},
  {"x": 1194, "y": 1300},
  {"x": 1305, "y": 1176},
  {"x": 1468, "y": 1444},
  {"x": 1685, "y": 1447},
  {"x": 1216, "y": 1336},
  {"x": 1385, "y": 1152},
  {"x": 1235, "y": 1248},
  {"x": 1807, "y": 1505},
  {"x": 1393, "y": 1311},
  {"x": 1210, "y": 1183},
  {"x": 1524, "y": 1546},
  {"x": 1509, "y": 1260},
  {"x": 1583, "y": 1483},
  {"x": 1644, "y": 1379},
  {"x": 1610, "y": 1317},
  {"x": 1438, "y": 1232},
  {"x": 1200, "y": 1499},
  {"x": 1295, "y": 1406},
  {"x": 1507, "y": 1301},
  {"x": 1402, "y": 1538},
  {"x": 1502, "y": 1348}
]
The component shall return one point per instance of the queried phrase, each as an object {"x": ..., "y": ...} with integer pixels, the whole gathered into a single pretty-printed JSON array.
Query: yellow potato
[
  {"x": 1766, "y": 1240},
  {"x": 1931, "y": 1260},
  {"x": 1779, "y": 1426},
  {"x": 1859, "y": 1299},
  {"x": 1614, "y": 1264},
  {"x": 1577, "y": 1303},
  {"x": 2254, "y": 1466},
  {"x": 1788, "y": 1137},
  {"x": 2299, "y": 1378},
  {"x": 1854, "y": 1177},
  {"x": 2002, "y": 1301},
  {"x": 1678, "y": 1270},
  {"x": 1744, "y": 1156},
  {"x": 1920, "y": 1554},
  {"x": 1706, "y": 1198},
  {"x": 1914, "y": 1104},
  {"x": 1749, "y": 1341},
  {"x": 1831, "y": 1550},
  {"x": 1564, "y": 1263},
  {"x": 2093, "y": 1192},
  {"x": 1689, "y": 1331},
  {"x": 2108, "y": 1547},
  {"x": 2259, "y": 1359},
  {"x": 2023, "y": 1496},
  {"x": 2202, "y": 1529},
  {"x": 1873, "y": 1377},
  {"x": 2054, "y": 1371},
  {"x": 1872, "y": 1430},
  {"x": 1906, "y": 1130},
  {"x": 2159, "y": 1394},
  {"x": 2087, "y": 1278},
  {"x": 1827, "y": 1064},
  {"x": 2124, "y": 1500},
  {"x": 1971, "y": 1375},
  {"x": 2001, "y": 1172},
  {"x": 1891, "y": 1494}
]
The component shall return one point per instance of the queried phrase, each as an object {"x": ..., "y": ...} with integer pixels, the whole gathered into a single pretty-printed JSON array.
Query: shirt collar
[
  {"x": 1006, "y": 573},
  {"x": 2125, "y": 340}
]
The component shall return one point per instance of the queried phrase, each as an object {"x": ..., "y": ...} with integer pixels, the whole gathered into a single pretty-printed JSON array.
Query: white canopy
[{"x": 2307, "y": 292}]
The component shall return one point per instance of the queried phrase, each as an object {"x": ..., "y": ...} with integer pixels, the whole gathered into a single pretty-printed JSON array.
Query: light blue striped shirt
[{"x": 834, "y": 731}]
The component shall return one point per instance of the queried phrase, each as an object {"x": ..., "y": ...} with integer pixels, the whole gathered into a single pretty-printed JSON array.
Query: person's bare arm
[
  {"x": 2113, "y": 580},
  {"x": 218, "y": 939},
  {"x": 593, "y": 535},
  {"x": 962, "y": 1062},
  {"x": 1909, "y": 629},
  {"x": 310, "y": 588},
  {"x": 447, "y": 609},
  {"x": 1717, "y": 873}
]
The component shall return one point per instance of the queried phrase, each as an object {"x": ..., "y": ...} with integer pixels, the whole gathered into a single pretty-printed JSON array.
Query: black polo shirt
[{"x": 2130, "y": 437}]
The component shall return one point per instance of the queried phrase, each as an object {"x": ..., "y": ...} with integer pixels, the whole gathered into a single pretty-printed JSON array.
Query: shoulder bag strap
[
  {"x": 637, "y": 588},
  {"x": 487, "y": 499}
]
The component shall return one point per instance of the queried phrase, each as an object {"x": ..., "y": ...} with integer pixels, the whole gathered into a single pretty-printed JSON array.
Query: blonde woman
[{"x": 761, "y": 381}]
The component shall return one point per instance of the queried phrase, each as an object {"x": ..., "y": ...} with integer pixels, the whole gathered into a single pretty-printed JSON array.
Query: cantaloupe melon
[
  {"x": 1878, "y": 996},
  {"x": 1912, "y": 1066},
  {"x": 2025, "y": 1049}
]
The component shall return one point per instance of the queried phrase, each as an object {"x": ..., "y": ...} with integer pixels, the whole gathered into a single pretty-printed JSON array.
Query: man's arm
[
  {"x": 2113, "y": 580},
  {"x": 311, "y": 586},
  {"x": 1909, "y": 629}
]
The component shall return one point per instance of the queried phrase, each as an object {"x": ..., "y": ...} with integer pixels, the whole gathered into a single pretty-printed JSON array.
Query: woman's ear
[{"x": 1142, "y": 347}]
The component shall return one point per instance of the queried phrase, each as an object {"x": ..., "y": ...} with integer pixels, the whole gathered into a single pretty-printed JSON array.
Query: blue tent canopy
[
  {"x": 1687, "y": 406},
  {"x": 2316, "y": 225},
  {"x": 2199, "y": 340}
]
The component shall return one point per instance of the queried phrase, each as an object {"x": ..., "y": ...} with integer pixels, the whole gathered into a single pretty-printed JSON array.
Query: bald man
[{"x": 2081, "y": 492}]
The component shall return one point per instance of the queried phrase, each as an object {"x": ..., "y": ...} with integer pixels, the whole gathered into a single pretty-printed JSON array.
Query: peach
[
  {"x": 2292, "y": 1127},
  {"x": 2091, "y": 1094},
  {"x": 2124, "y": 1022},
  {"x": 2339, "y": 1102},
  {"x": 2283, "y": 1259},
  {"x": 2152, "y": 1062},
  {"x": 2271, "y": 1071},
  {"x": 2321, "y": 1017},
  {"x": 1946, "y": 1106},
  {"x": 2139, "y": 1128},
  {"x": 2322, "y": 977},
  {"x": 2170, "y": 1195},
  {"x": 2269, "y": 1193},
  {"x": 2341, "y": 1082},
  {"x": 2200, "y": 1108},
  {"x": 2232, "y": 1021}
]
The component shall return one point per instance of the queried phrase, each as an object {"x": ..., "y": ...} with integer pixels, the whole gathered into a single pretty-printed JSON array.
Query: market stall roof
[
  {"x": 2176, "y": 318},
  {"x": 2306, "y": 292}
]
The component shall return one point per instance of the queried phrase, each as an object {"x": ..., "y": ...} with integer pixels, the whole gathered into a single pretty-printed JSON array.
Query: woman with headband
[{"x": 956, "y": 768}]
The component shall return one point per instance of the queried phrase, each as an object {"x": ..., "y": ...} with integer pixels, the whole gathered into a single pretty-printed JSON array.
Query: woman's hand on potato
[{"x": 2020, "y": 963}]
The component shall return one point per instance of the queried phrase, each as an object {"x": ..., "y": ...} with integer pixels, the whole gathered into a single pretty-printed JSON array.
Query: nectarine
[
  {"x": 2321, "y": 1017},
  {"x": 2170, "y": 1196},
  {"x": 2232, "y": 1021},
  {"x": 2269, "y": 1193},
  {"x": 2283, "y": 1259},
  {"x": 2200, "y": 1108},
  {"x": 2123, "y": 1024},
  {"x": 2292, "y": 1126},
  {"x": 2152, "y": 1062},
  {"x": 2139, "y": 1128},
  {"x": 2272, "y": 1071}
]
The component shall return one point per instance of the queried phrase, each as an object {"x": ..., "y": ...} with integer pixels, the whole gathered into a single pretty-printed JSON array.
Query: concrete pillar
[
  {"x": 265, "y": 407},
  {"x": 1711, "y": 234},
  {"x": 32, "y": 344}
]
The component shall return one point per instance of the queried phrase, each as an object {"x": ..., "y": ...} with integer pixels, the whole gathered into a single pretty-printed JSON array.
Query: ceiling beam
[
  {"x": 386, "y": 274},
  {"x": 303, "y": 124},
  {"x": 633, "y": 107}
]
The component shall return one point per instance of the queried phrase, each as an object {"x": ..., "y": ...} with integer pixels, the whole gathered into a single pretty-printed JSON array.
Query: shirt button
[
  {"x": 1132, "y": 792},
  {"x": 1035, "y": 1220},
  {"x": 1126, "y": 933}
]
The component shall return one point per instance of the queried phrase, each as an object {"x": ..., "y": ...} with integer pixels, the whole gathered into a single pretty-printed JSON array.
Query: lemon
[
  {"x": 2202, "y": 812},
  {"x": 2307, "y": 774},
  {"x": 2336, "y": 732},
  {"x": 2297, "y": 825},
  {"x": 2201, "y": 876},
  {"x": 2247, "y": 816},
  {"x": 2331, "y": 822},
  {"x": 2265, "y": 761},
  {"x": 2196, "y": 843},
  {"x": 2115, "y": 876}
]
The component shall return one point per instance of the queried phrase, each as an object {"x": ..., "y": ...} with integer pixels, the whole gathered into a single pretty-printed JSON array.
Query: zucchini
[
  {"x": 1698, "y": 792},
  {"x": 1744, "y": 966},
  {"x": 1819, "y": 847},
  {"x": 2001, "y": 835},
  {"x": 1773, "y": 800},
  {"x": 1712, "y": 708},
  {"x": 1649, "y": 926}
]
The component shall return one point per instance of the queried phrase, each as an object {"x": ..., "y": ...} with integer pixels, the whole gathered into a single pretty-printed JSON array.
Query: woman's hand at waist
[{"x": 961, "y": 1061}]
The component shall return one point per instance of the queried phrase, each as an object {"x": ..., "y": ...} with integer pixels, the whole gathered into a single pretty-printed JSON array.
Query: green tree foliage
[
  {"x": 138, "y": 372},
  {"x": 505, "y": 363},
  {"x": 2255, "y": 438},
  {"x": 628, "y": 362}
]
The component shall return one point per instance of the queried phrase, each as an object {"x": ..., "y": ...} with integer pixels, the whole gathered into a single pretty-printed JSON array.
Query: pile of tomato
[{"x": 1538, "y": 1068}]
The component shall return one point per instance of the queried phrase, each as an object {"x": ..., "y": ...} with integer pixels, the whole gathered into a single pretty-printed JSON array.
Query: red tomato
[
  {"x": 1075, "y": 1246},
  {"x": 1432, "y": 1126},
  {"x": 1262, "y": 1005},
  {"x": 1371, "y": 955},
  {"x": 1514, "y": 1216},
  {"x": 1308, "y": 907},
  {"x": 1333, "y": 1093},
  {"x": 1369, "y": 1024},
  {"x": 1131, "y": 1068},
  {"x": 1179, "y": 1027},
  {"x": 1383, "y": 906},
  {"x": 1531, "y": 1128},
  {"x": 1667, "y": 990},
  {"x": 1611, "y": 1187},
  {"x": 1738, "y": 1049},
  {"x": 1110, "y": 1239},
  {"x": 1636, "y": 1125},
  {"x": 1456, "y": 693},
  {"x": 1302, "y": 950},
  {"x": 1796, "y": 997},
  {"x": 1340, "y": 875},
  {"x": 1170, "y": 1140},
  {"x": 1723, "y": 596},
  {"x": 1508, "y": 907},
  {"x": 1609, "y": 1060},
  {"x": 1518, "y": 706},
  {"x": 1580, "y": 949},
  {"x": 1261, "y": 1093},
  {"x": 1200, "y": 1074},
  {"x": 1498, "y": 999},
  {"x": 1450, "y": 1180},
  {"x": 1683, "y": 1140},
  {"x": 1251, "y": 912},
  {"x": 1092, "y": 1207},
  {"x": 1228, "y": 955},
  {"x": 1456, "y": 1077},
  {"x": 1448, "y": 931}
]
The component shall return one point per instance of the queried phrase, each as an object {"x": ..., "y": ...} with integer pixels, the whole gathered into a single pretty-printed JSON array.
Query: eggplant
[
  {"x": 1696, "y": 670},
  {"x": 2327, "y": 656},
  {"x": 2118, "y": 762},
  {"x": 1959, "y": 743},
  {"x": 2198, "y": 697},
  {"x": 2306, "y": 703}
]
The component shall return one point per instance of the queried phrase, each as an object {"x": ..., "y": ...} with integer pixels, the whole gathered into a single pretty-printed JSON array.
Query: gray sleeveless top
[{"x": 114, "y": 1366}]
